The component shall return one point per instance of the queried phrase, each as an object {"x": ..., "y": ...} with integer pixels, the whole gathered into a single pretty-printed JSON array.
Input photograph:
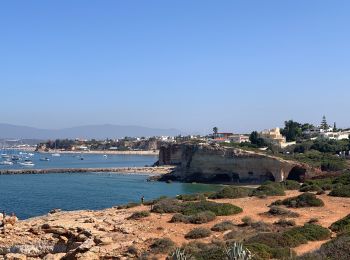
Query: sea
[{"x": 34, "y": 195}]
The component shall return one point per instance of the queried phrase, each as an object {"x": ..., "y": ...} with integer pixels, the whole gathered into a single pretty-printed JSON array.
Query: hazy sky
[{"x": 192, "y": 65}]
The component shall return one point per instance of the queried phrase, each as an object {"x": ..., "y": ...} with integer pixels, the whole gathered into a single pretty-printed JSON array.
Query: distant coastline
[{"x": 148, "y": 152}]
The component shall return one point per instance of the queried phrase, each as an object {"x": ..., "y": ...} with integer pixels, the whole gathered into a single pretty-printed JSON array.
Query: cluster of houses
[{"x": 274, "y": 136}]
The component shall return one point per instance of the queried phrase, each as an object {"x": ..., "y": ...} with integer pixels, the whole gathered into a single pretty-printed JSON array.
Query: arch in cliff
[{"x": 297, "y": 173}]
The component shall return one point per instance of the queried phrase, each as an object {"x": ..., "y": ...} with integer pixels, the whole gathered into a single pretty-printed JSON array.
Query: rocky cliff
[{"x": 205, "y": 163}]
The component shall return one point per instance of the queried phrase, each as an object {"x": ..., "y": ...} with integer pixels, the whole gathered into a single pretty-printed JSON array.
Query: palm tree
[{"x": 215, "y": 130}]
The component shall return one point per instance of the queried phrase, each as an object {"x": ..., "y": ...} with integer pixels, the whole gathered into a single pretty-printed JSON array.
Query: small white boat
[
  {"x": 56, "y": 154},
  {"x": 105, "y": 155},
  {"x": 27, "y": 163},
  {"x": 6, "y": 163},
  {"x": 4, "y": 155},
  {"x": 44, "y": 159},
  {"x": 30, "y": 154}
]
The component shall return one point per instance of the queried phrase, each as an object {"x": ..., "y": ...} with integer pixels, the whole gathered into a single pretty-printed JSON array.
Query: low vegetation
[
  {"x": 290, "y": 185},
  {"x": 191, "y": 197},
  {"x": 193, "y": 208},
  {"x": 199, "y": 218},
  {"x": 139, "y": 215},
  {"x": 341, "y": 191},
  {"x": 336, "y": 249},
  {"x": 198, "y": 233},
  {"x": 341, "y": 225},
  {"x": 304, "y": 200},
  {"x": 223, "y": 226},
  {"x": 269, "y": 189},
  {"x": 232, "y": 192},
  {"x": 292, "y": 237},
  {"x": 279, "y": 211},
  {"x": 129, "y": 205},
  {"x": 162, "y": 246}
]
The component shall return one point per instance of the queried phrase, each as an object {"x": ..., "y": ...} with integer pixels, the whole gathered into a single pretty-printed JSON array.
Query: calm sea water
[
  {"x": 74, "y": 161},
  {"x": 34, "y": 195}
]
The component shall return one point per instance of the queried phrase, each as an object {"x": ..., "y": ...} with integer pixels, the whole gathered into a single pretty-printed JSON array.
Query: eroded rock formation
[{"x": 205, "y": 163}]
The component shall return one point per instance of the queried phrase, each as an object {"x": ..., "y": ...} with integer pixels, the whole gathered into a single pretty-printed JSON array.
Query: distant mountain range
[{"x": 87, "y": 132}]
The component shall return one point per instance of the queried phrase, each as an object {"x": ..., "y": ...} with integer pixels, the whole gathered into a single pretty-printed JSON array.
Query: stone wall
[{"x": 204, "y": 163}]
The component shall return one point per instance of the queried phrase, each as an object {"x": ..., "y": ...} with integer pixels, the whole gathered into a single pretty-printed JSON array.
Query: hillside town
[{"x": 292, "y": 134}]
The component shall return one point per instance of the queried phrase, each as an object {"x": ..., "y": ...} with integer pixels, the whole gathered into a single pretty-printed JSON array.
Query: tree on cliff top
[
  {"x": 292, "y": 130},
  {"x": 256, "y": 140}
]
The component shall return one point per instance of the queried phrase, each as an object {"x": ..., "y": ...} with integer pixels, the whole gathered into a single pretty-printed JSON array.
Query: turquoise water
[
  {"x": 33, "y": 195},
  {"x": 74, "y": 161}
]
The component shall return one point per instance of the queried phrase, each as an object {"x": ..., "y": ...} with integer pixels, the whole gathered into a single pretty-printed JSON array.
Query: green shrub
[
  {"x": 198, "y": 233},
  {"x": 202, "y": 217},
  {"x": 190, "y": 197},
  {"x": 167, "y": 206},
  {"x": 162, "y": 246},
  {"x": 285, "y": 222},
  {"x": 232, "y": 192},
  {"x": 338, "y": 248},
  {"x": 341, "y": 224},
  {"x": 343, "y": 179},
  {"x": 291, "y": 185},
  {"x": 247, "y": 221},
  {"x": 223, "y": 226},
  {"x": 152, "y": 202},
  {"x": 129, "y": 205},
  {"x": 312, "y": 187},
  {"x": 261, "y": 251},
  {"x": 278, "y": 211},
  {"x": 341, "y": 191},
  {"x": 219, "y": 209},
  {"x": 261, "y": 226},
  {"x": 303, "y": 200},
  {"x": 292, "y": 237},
  {"x": 308, "y": 232},
  {"x": 269, "y": 189},
  {"x": 273, "y": 240},
  {"x": 178, "y": 217},
  {"x": 139, "y": 215}
]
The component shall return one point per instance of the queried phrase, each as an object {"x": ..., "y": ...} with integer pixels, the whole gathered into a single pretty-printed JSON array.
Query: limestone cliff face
[{"x": 218, "y": 164}]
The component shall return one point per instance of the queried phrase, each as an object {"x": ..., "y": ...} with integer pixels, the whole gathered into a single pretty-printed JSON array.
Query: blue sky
[{"x": 192, "y": 65}]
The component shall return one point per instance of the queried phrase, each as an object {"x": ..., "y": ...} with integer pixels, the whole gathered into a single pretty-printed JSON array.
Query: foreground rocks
[{"x": 109, "y": 234}]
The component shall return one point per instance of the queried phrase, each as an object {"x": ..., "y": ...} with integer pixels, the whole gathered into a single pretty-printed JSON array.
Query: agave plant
[
  {"x": 179, "y": 255},
  {"x": 238, "y": 252}
]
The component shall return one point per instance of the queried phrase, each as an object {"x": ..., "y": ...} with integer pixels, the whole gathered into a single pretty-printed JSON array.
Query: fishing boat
[
  {"x": 27, "y": 163},
  {"x": 6, "y": 162},
  {"x": 15, "y": 158},
  {"x": 5, "y": 155}
]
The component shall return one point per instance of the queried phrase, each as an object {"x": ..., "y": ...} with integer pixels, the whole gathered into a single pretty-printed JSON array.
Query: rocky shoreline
[
  {"x": 118, "y": 170},
  {"x": 148, "y": 152},
  {"x": 112, "y": 234}
]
